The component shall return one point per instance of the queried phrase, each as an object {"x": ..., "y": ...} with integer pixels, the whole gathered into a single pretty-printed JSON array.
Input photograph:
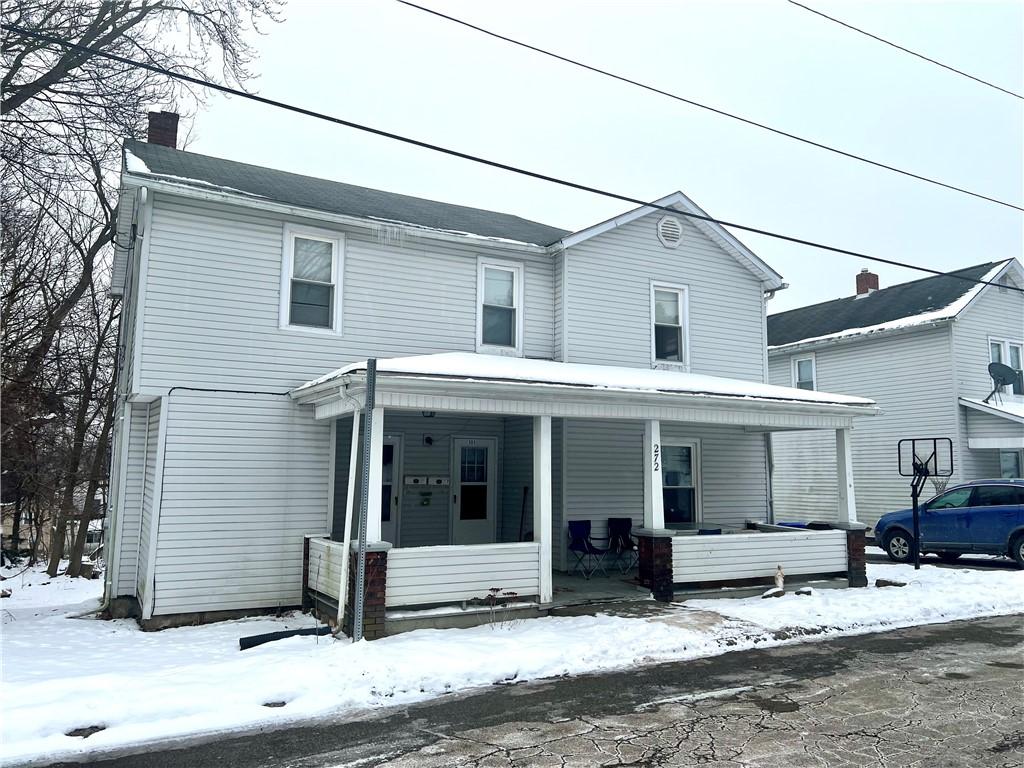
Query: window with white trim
[
  {"x": 669, "y": 332},
  {"x": 1009, "y": 353},
  {"x": 804, "y": 373},
  {"x": 311, "y": 279},
  {"x": 500, "y": 307},
  {"x": 679, "y": 485}
]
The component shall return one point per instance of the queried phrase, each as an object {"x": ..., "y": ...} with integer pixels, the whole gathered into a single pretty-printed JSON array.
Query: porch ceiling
[{"x": 515, "y": 386}]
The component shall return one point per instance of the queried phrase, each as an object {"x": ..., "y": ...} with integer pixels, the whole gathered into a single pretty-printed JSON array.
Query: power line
[
  {"x": 906, "y": 50},
  {"x": 715, "y": 110},
  {"x": 476, "y": 159}
]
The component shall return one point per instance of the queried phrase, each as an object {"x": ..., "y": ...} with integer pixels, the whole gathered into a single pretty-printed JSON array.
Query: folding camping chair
[
  {"x": 589, "y": 558},
  {"x": 622, "y": 544}
]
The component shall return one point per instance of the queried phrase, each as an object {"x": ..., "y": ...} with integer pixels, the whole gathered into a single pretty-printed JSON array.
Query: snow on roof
[
  {"x": 478, "y": 367},
  {"x": 1004, "y": 407},
  {"x": 134, "y": 163},
  {"x": 788, "y": 325}
]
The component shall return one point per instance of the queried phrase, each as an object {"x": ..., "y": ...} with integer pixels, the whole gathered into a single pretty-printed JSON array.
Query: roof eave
[
  {"x": 158, "y": 184},
  {"x": 355, "y": 381},
  {"x": 803, "y": 346}
]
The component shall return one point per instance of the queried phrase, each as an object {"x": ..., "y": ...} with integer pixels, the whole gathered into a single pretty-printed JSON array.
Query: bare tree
[{"x": 64, "y": 114}]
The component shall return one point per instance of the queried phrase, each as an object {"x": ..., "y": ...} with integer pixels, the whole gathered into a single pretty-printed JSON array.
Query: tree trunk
[{"x": 99, "y": 459}]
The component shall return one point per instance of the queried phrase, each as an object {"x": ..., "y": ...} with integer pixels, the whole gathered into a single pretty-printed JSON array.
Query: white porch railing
[
  {"x": 324, "y": 566},
  {"x": 756, "y": 555},
  {"x": 450, "y": 574}
]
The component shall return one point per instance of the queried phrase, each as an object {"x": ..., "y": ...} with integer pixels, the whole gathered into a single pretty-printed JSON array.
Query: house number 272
[{"x": 657, "y": 457}]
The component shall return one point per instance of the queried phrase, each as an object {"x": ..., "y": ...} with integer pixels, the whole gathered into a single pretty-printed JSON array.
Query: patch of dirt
[{"x": 86, "y": 732}]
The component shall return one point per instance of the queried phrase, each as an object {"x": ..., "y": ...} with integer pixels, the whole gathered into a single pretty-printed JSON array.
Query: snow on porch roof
[
  {"x": 1006, "y": 408},
  {"x": 468, "y": 366}
]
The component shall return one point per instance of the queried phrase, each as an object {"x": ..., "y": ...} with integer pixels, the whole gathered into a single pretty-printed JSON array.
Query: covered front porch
[{"x": 478, "y": 465}]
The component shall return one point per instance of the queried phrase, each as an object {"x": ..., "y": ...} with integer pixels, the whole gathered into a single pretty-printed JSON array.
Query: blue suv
[{"x": 984, "y": 516}]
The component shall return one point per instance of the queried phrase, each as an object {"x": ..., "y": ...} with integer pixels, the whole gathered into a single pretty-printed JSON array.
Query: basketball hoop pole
[{"x": 920, "y": 475}]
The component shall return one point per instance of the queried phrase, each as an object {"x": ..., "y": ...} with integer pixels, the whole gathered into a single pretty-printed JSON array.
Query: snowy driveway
[{"x": 75, "y": 673}]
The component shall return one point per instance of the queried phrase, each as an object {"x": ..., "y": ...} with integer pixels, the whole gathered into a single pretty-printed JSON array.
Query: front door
[
  {"x": 391, "y": 488},
  {"x": 473, "y": 515}
]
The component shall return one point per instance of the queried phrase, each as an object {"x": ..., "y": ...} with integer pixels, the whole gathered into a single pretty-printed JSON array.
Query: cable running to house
[
  {"x": 481, "y": 160},
  {"x": 907, "y": 50},
  {"x": 715, "y": 110}
]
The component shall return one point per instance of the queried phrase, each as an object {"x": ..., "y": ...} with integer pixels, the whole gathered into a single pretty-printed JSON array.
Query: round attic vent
[{"x": 670, "y": 231}]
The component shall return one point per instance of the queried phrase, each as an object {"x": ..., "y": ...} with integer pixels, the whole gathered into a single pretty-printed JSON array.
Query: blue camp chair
[
  {"x": 622, "y": 544},
  {"x": 588, "y": 558}
]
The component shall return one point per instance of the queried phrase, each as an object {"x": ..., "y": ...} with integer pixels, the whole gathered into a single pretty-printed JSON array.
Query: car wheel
[
  {"x": 1017, "y": 550},
  {"x": 899, "y": 546},
  {"x": 949, "y": 557}
]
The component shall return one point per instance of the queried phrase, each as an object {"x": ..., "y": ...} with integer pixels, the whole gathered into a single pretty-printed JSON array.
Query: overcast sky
[{"x": 399, "y": 69}]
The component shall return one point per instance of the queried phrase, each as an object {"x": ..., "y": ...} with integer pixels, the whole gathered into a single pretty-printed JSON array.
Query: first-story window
[
  {"x": 499, "y": 324},
  {"x": 803, "y": 373},
  {"x": 669, "y": 316},
  {"x": 311, "y": 282},
  {"x": 679, "y": 486},
  {"x": 1010, "y": 464}
]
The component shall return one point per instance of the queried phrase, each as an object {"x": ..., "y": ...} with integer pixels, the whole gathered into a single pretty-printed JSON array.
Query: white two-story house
[
  {"x": 527, "y": 377},
  {"x": 921, "y": 350}
]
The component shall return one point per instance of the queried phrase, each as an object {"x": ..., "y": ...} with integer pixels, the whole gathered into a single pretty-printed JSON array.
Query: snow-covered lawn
[{"x": 62, "y": 673}]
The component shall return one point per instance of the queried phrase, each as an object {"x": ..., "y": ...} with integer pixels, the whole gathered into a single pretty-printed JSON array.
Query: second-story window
[
  {"x": 1008, "y": 353},
  {"x": 669, "y": 316},
  {"x": 500, "y": 316},
  {"x": 803, "y": 373},
  {"x": 311, "y": 280}
]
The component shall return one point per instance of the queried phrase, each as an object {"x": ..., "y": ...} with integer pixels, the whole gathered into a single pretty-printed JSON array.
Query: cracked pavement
[{"x": 941, "y": 695}]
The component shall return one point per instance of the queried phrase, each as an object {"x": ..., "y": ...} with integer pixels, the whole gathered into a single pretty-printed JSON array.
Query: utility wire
[
  {"x": 907, "y": 50},
  {"x": 715, "y": 110},
  {"x": 476, "y": 159}
]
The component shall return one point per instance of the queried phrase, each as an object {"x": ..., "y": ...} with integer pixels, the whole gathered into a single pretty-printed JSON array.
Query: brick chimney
[
  {"x": 163, "y": 129},
  {"x": 867, "y": 282}
]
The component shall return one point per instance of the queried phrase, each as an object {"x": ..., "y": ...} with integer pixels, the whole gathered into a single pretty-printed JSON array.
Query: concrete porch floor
[{"x": 573, "y": 589}]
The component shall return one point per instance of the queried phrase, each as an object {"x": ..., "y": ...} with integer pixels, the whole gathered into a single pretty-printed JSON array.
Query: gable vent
[{"x": 670, "y": 231}]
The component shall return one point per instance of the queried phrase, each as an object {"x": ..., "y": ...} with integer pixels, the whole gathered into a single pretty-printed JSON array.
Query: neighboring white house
[
  {"x": 529, "y": 377},
  {"x": 921, "y": 350}
]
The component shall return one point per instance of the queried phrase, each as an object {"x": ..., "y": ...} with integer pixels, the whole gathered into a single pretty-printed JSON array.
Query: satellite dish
[{"x": 1002, "y": 376}]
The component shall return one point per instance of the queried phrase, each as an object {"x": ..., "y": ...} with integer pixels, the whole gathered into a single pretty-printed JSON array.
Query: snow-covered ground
[{"x": 61, "y": 673}]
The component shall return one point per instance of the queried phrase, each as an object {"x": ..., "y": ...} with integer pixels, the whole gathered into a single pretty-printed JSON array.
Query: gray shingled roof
[
  {"x": 884, "y": 306},
  {"x": 335, "y": 197}
]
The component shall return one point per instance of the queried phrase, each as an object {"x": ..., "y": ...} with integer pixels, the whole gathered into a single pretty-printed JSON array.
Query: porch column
[
  {"x": 542, "y": 533},
  {"x": 376, "y": 474},
  {"x": 847, "y": 511},
  {"x": 654, "y": 508},
  {"x": 350, "y": 508}
]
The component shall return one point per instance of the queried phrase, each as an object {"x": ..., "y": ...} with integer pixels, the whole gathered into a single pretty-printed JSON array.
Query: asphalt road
[{"x": 942, "y": 695}]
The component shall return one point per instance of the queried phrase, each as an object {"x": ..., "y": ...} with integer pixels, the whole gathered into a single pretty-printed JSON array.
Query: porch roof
[
  {"x": 478, "y": 382},
  {"x": 1008, "y": 407}
]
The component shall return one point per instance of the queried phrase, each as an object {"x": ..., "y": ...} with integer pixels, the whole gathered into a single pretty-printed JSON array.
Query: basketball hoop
[{"x": 922, "y": 458}]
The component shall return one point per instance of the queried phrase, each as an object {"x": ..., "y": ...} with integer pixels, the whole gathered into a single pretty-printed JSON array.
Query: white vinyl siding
[
  {"x": 129, "y": 509},
  {"x": 889, "y": 371},
  {"x": 608, "y": 301},
  {"x": 757, "y": 555},
  {"x": 604, "y": 478},
  {"x": 994, "y": 313},
  {"x": 147, "y": 529},
  {"x": 245, "y": 478},
  {"x": 212, "y": 310}
]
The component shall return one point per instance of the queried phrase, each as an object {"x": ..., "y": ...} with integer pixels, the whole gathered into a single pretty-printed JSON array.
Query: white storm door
[
  {"x": 391, "y": 489},
  {"x": 473, "y": 515}
]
